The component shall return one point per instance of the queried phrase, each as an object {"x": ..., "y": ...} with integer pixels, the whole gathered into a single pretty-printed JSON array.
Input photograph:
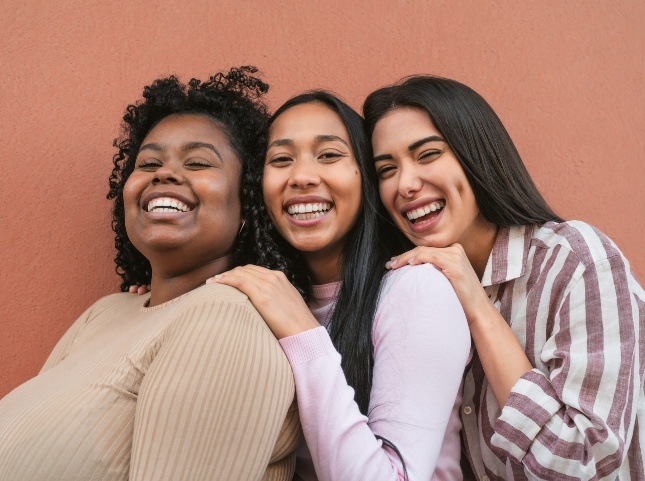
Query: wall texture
[{"x": 566, "y": 77}]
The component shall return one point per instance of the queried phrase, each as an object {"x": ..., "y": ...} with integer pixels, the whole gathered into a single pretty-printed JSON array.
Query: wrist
[{"x": 484, "y": 316}]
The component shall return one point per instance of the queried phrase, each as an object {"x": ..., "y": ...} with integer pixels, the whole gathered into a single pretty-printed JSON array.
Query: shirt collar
[{"x": 507, "y": 260}]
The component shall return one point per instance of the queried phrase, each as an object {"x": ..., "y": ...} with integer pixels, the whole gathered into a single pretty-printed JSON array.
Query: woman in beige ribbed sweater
[{"x": 187, "y": 383}]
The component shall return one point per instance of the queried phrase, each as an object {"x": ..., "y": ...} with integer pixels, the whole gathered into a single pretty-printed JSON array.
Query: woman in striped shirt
[
  {"x": 555, "y": 390},
  {"x": 187, "y": 383}
]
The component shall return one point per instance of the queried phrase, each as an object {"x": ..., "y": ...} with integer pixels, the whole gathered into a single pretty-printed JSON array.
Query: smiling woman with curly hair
[{"x": 188, "y": 382}]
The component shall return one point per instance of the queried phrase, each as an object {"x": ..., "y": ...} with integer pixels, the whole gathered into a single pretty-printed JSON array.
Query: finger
[
  {"x": 401, "y": 259},
  {"x": 142, "y": 290},
  {"x": 239, "y": 270},
  {"x": 418, "y": 255},
  {"x": 268, "y": 275},
  {"x": 133, "y": 289},
  {"x": 239, "y": 281}
]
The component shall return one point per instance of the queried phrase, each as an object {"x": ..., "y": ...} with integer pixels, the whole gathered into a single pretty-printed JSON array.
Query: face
[
  {"x": 184, "y": 191},
  {"x": 421, "y": 182},
  {"x": 311, "y": 183}
]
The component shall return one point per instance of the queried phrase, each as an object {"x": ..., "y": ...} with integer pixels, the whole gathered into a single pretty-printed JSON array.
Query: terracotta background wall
[{"x": 566, "y": 77}]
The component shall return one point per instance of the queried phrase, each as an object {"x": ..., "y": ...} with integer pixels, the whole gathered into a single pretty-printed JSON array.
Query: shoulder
[
  {"x": 586, "y": 243},
  {"x": 422, "y": 277},
  {"x": 218, "y": 293},
  {"x": 222, "y": 303},
  {"x": 420, "y": 291},
  {"x": 115, "y": 303}
]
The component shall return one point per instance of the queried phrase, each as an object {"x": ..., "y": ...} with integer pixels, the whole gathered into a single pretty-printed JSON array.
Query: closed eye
[
  {"x": 279, "y": 160},
  {"x": 430, "y": 154},
  {"x": 149, "y": 165},
  {"x": 198, "y": 164},
  {"x": 330, "y": 155},
  {"x": 385, "y": 171}
]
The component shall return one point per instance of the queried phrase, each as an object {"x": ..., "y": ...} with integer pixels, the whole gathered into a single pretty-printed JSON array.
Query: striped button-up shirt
[{"x": 569, "y": 296}]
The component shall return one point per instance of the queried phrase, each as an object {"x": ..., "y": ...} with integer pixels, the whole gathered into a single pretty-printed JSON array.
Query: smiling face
[
  {"x": 182, "y": 201},
  {"x": 422, "y": 184},
  {"x": 312, "y": 184}
]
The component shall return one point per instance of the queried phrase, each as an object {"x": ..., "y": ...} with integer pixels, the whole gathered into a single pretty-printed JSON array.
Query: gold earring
[{"x": 241, "y": 227}]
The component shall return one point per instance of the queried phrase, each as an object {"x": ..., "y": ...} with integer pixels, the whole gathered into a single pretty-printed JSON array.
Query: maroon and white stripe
[{"x": 570, "y": 297}]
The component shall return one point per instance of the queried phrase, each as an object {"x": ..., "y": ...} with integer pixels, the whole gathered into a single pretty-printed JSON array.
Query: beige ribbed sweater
[{"x": 193, "y": 389}]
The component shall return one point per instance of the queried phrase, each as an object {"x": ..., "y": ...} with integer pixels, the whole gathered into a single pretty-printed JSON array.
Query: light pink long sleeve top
[{"x": 421, "y": 347}]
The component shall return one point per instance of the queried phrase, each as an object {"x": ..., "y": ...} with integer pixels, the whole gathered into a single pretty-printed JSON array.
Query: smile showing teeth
[
  {"x": 414, "y": 214},
  {"x": 308, "y": 211},
  {"x": 166, "y": 204}
]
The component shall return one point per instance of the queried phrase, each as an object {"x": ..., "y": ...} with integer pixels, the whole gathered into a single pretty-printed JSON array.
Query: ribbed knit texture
[{"x": 193, "y": 389}]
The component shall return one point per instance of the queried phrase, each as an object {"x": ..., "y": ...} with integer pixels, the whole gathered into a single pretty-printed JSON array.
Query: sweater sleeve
[
  {"x": 577, "y": 419},
  {"x": 421, "y": 346},
  {"x": 214, "y": 400}
]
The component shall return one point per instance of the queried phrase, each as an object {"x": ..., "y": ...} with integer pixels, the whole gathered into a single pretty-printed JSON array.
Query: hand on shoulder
[
  {"x": 278, "y": 302},
  {"x": 454, "y": 264}
]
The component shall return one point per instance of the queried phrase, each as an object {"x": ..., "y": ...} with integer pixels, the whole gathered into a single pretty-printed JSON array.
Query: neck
[
  {"x": 323, "y": 269},
  {"x": 479, "y": 246},
  {"x": 166, "y": 285}
]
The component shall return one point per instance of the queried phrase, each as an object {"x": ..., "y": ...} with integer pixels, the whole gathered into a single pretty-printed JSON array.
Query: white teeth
[
  {"x": 167, "y": 204},
  {"x": 315, "y": 209},
  {"x": 425, "y": 210}
]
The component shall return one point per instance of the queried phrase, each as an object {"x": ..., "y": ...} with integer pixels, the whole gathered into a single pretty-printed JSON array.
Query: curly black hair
[{"x": 235, "y": 101}]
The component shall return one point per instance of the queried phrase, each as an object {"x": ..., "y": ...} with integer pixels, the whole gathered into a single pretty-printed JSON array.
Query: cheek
[
  {"x": 270, "y": 195},
  {"x": 387, "y": 190},
  {"x": 131, "y": 192}
]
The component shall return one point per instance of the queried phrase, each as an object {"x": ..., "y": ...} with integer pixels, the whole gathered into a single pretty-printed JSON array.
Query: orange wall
[{"x": 567, "y": 78}]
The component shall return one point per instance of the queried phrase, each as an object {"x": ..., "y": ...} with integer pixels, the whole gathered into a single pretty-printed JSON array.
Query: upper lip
[
  {"x": 419, "y": 203},
  {"x": 305, "y": 199},
  {"x": 145, "y": 200}
]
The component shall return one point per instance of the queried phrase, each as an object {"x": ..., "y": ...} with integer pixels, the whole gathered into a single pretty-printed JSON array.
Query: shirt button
[
  {"x": 468, "y": 410},
  {"x": 485, "y": 478}
]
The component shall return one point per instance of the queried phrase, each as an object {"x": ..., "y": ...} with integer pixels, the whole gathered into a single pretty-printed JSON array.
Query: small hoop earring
[{"x": 241, "y": 227}]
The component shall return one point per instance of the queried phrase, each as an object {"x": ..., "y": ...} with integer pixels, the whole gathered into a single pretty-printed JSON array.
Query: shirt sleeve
[
  {"x": 214, "y": 399},
  {"x": 421, "y": 346},
  {"x": 577, "y": 419}
]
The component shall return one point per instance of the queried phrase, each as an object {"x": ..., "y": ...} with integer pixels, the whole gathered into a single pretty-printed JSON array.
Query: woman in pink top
[{"x": 377, "y": 358}]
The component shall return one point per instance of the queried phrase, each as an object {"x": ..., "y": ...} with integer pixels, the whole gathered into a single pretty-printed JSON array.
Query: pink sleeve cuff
[{"x": 307, "y": 346}]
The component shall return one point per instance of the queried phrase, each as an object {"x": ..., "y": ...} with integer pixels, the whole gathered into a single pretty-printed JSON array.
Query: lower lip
[
  {"x": 425, "y": 224},
  {"x": 308, "y": 222}
]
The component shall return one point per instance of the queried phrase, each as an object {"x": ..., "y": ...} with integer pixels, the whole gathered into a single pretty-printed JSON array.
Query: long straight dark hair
[
  {"x": 504, "y": 191},
  {"x": 363, "y": 258}
]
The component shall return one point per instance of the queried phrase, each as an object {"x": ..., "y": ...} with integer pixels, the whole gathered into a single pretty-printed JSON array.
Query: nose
[
  {"x": 304, "y": 174},
  {"x": 409, "y": 181},
  {"x": 168, "y": 173}
]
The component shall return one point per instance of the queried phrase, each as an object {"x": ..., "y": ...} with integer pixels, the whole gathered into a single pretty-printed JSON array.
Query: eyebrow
[
  {"x": 412, "y": 146},
  {"x": 185, "y": 147},
  {"x": 329, "y": 138},
  {"x": 317, "y": 138}
]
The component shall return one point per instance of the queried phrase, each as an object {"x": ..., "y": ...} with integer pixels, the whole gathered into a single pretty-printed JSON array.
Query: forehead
[
  {"x": 307, "y": 120},
  {"x": 188, "y": 127},
  {"x": 403, "y": 124}
]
